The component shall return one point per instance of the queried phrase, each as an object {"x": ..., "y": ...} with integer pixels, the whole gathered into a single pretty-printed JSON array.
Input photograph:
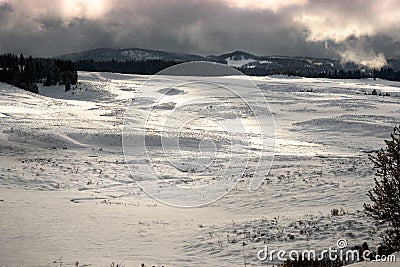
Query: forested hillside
[{"x": 26, "y": 73}]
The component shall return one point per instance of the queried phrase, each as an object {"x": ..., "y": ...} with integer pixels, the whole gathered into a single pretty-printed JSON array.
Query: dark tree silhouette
[
  {"x": 385, "y": 196},
  {"x": 26, "y": 73}
]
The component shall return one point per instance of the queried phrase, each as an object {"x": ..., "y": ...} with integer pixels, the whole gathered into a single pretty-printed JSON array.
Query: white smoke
[{"x": 363, "y": 58}]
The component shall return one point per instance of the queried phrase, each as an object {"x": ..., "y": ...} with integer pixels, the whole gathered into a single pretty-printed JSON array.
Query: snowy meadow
[{"x": 67, "y": 193}]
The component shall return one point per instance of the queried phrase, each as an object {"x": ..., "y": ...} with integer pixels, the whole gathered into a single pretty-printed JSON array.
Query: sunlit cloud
[
  {"x": 351, "y": 26},
  {"x": 90, "y": 9},
  {"x": 337, "y": 21},
  {"x": 273, "y": 5},
  {"x": 323, "y": 27}
]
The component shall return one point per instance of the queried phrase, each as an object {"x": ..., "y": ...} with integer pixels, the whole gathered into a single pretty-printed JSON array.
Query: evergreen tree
[
  {"x": 21, "y": 60},
  {"x": 26, "y": 73},
  {"x": 385, "y": 196}
]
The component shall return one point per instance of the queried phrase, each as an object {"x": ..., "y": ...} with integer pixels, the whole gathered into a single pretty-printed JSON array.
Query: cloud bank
[{"x": 365, "y": 32}]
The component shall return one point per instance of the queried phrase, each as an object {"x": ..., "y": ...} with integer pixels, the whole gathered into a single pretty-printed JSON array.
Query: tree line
[
  {"x": 386, "y": 73},
  {"x": 26, "y": 73}
]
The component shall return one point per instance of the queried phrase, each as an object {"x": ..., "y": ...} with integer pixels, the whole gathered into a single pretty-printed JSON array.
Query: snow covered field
[{"x": 65, "y": 190}]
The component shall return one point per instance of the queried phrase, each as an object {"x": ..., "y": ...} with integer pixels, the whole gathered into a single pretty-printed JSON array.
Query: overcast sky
[{"x": 367, "y": 32}]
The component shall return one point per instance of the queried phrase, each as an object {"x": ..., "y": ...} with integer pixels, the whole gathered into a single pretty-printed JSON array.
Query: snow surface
[{"x": 65, "y": 190}]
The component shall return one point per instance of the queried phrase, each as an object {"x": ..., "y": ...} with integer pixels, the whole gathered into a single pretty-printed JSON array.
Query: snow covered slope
[
  {"x": 65, "y": 190},
  {"x": 239, "y": 59}
]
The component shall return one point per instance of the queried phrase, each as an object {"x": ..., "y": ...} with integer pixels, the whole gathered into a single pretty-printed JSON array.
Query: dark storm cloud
[
  {"x": 349, "y": 29},
  {"x": 205, "y": 27}
]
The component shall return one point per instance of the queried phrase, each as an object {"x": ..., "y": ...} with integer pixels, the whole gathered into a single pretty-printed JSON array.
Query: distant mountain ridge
[
  {"x": 140, "y": 54},
  {"x": 129, "y": 54},
  {"x": 146, "y": 61}
]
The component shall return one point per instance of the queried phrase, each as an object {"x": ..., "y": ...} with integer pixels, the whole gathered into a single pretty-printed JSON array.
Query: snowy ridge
[{"x": 134, "y": 54}]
